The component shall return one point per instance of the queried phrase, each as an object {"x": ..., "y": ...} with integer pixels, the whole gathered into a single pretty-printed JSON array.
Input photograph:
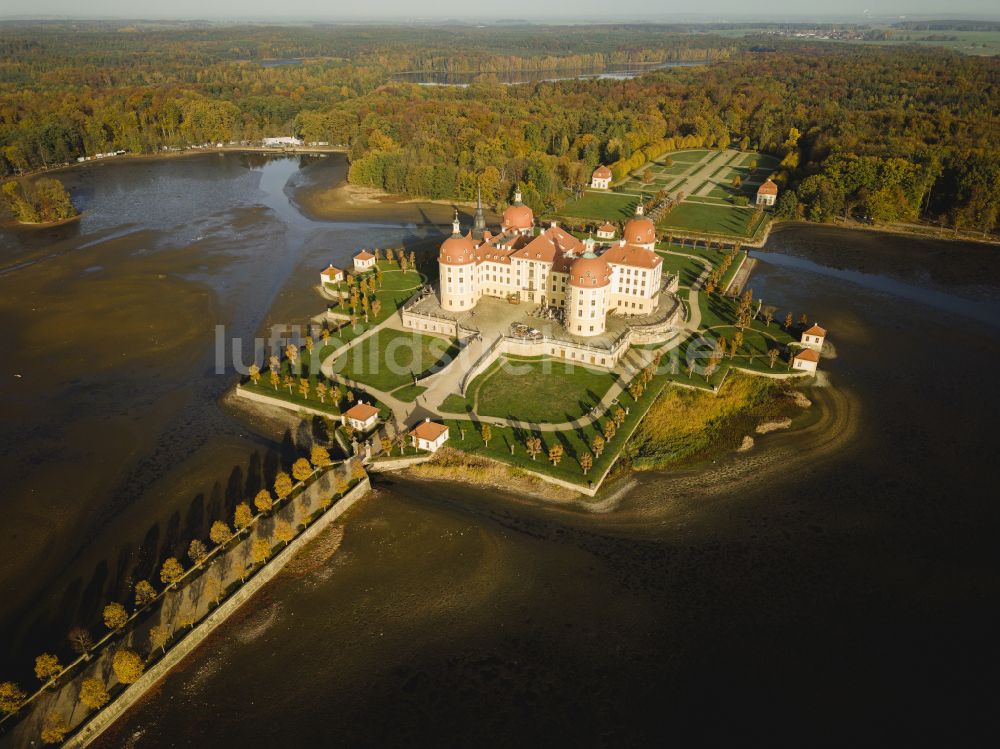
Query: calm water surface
[{"x": 845, "y": 593}]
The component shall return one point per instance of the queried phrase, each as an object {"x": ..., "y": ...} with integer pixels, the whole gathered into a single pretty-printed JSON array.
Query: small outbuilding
[
  {"x": 364, "y": 260},
  {"x": 601, "y": 178},
  {"x": 606, "y": 231},
  {"x": 806, "y": 360},
  {"x": 331, "y": 275},
  {"x": 813, "y": 338},
  {"x": 767, "y": 193},
  {"x": 361, "y": 416},
  {"x": 429, "y": 435}
]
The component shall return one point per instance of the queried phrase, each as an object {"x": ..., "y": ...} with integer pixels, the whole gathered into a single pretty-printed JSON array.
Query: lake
[
  {"x": 612, "y": 72},
  {"x": 826, "y": 585}
]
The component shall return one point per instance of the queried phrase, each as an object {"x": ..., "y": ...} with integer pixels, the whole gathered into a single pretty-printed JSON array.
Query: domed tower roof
[
  {"x": 456, "y": 249},
  {"x": 639, "y": 230},
  {"x": 518, "y": 215},
  {"x": 589, "y": 272}
]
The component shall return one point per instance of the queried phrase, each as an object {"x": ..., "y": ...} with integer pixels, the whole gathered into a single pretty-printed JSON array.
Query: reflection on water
[
  {"x": 614, "y": 72},
  {"x": 983, "y": 310}
]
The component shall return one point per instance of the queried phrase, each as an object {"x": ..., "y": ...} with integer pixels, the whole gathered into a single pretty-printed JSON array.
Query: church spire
[
  {"x": 479, "y": 224},
  {"x": 455, "y": 229}
]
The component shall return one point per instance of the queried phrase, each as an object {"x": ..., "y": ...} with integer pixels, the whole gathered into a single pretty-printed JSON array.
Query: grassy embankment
[{"x": 685, "y": 426}]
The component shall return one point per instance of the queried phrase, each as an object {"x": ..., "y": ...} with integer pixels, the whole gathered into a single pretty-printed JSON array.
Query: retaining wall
[{"x": 188, "y": 603}]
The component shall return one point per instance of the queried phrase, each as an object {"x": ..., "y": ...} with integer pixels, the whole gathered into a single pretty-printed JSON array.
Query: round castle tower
[
  {"x": 457, "y": 271},
  {"x": 590, "y": 290}
]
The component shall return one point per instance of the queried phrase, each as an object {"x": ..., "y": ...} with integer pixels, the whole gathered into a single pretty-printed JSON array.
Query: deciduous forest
[{"x": 876, "y": 133}]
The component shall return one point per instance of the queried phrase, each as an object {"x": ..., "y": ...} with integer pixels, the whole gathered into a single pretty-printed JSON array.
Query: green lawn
[
  {"x": 688, "y": 268},
  {"x": 390, "y": 358},
  {"x": 710, "y": 219},
  {"x": 574, "y": 442},
  {"x": 409, "y": 393},
  {"x": 601, "y": 205},
  {"x": 538, "y": 389}
]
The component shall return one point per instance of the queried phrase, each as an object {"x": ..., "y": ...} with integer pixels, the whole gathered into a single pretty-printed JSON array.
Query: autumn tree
[
  {"x": 609, "y": 431},
  {"x": 11, "y": 697},
  {"x": 54, "y": 728},
  {"x": 172, "y": 571},
  {"x": 263, "y": 501},
  {"x": 127, "y": 665},
  {"x": 486, "y": 434},
  {"x": 283, "y": 531},
  {"x": 47, "y": 667},
  {"x": 772, "y": 357},
  {"x": 254, "y": 374},
  {"x": 282, "y": 485},
  {"x": 319, "y": 456},
  {"x": 260, "y": 550},
  {"x": 220, "y": 533},
  {"x": 340, "y": 484},
  {"x": 159, "y": 636},
  {"x": 357, "y": 470},
  {"x": 788, "y": 321},
  {"x": 93, "y": 693},
  {"x": 301, "y": 470},
  {"x": 197, "y": 551},
  {"x": 597, "y": 445},
  {"x": 555, "y": 454},
  {"x": 145, "y": 593},
  {"x": 533, "y": 446},
  {"x": 243, "y": 516},
  {"x": 115, "y": 616},
  {"x": 586, "y": 462}
]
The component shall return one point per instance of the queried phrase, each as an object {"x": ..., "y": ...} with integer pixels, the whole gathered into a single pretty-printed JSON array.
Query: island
[{"x": 552, "y": 353}]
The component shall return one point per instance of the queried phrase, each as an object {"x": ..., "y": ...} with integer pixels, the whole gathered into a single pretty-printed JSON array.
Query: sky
[{"x": 567, "y": 10}]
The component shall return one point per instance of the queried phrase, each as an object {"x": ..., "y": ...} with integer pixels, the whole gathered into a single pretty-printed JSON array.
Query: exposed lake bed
[{"x": 850, "y": 549}]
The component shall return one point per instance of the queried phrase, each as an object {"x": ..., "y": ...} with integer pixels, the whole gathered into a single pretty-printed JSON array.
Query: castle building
[
  {"x": 554, "y": 269},
  {"x": 767, "y": 193}
]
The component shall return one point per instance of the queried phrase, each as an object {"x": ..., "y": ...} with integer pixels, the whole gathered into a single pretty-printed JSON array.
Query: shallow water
[
  {"x": 113, "y": 437},
  {"x": 826, "y": 585}
]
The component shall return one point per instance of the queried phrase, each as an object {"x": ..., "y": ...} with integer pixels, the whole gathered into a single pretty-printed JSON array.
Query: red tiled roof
[
  {"x": 364, "y": 255},
  {"x": 640, "y": 230},
  {"x": 807, "y": 354},
  {"x": 428, "y": 430},
  {"x": 607, "y": 227},
  {"x": 633, "y": 255},
  {"x": 602, "y": 172},
  {"x": 816, "y": 330},
  {"x": 589, "y": 272},
  {"x": 361, "y": 412},
  {"x": 548, "y": 245},
  {"x": 330, "y": 270},
  {"x": 768, "y": 188}
]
